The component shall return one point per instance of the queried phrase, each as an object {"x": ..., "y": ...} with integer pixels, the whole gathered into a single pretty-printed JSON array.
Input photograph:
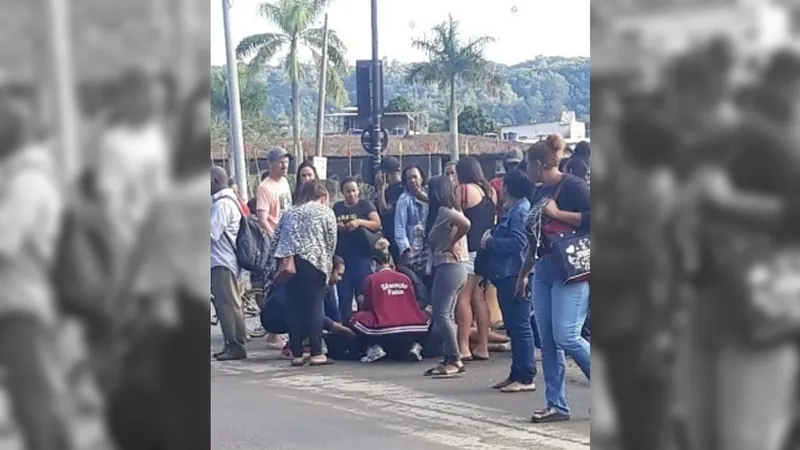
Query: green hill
[{"x": 535, "y": 91}]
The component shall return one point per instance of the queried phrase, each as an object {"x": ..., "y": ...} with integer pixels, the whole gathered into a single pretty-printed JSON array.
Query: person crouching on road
[
  {"x": 275, "y": 315},
  {"x": 390, "y": 321}
]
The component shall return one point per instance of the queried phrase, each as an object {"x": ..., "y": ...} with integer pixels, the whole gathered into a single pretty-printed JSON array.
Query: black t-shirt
[
  {"x": 393, "y": 193},
  {"x": 574, "y": 197},
  {"x": 352, "y": 244}
]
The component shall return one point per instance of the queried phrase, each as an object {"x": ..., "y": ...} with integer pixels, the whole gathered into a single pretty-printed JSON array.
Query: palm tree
[
  {"x": 295, "y": 20},
  {"x": 451, "y": 60}
]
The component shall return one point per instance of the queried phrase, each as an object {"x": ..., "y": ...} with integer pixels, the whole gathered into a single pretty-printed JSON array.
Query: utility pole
[
  {"x": 234, "y": 105},
  {"x": 376, "y": 86},
  {"x": 64, "y": 88},
  {"x": 323, "y": 75}
]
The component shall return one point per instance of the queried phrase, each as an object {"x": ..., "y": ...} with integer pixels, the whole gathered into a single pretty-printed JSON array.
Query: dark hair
[
  {"x": 346, "y": 180},
  {"x": 310, "y": 192},
  {"x": 548, "y": 151},
  {"x": 381, "y": 253},
  {"x": 297, "y": 183},
  {"x": 264, "y": 175},
  {"x": 469, "y": 171},
  {"x": 404, "y": 175},
  {"x": 517, "y": 184},
  {"x": 441, "y": 194},
  {"x": 338, "y": 261},
  {"x": 582, "y": 150}
]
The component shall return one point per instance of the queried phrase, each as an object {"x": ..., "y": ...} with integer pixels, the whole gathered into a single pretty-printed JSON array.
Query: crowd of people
[
  {"x": 415, "y": 271},
  {"x": 696, "y": 300},
  {"x": 97, "y": 298}
]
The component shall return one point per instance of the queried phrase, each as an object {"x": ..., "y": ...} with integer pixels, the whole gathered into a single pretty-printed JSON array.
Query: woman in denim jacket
[{"x": 506, "y": 245}]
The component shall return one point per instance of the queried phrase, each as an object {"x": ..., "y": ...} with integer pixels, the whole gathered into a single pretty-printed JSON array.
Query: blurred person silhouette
[
  {"x": 161, "y": 382},
  {"x": 133, "y": 164},
  {"x": 31, "y": 205},
  {"x": 633, "y": 283},
  {"x": 754, "y": 303}
]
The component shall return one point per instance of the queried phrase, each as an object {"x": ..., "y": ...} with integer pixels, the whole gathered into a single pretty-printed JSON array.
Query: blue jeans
[
  {"x": 560, "y": 311},
  {"x": 352, "y": 285},
  {"x": 518, "y": 320}
]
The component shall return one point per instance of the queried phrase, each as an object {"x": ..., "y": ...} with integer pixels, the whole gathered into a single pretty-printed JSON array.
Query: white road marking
[{"x": 434, "y": 418}]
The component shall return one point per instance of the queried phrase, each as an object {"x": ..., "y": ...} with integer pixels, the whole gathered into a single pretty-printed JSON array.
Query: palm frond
[
  {"x": 334, "y": 82},
  {"x": 268, "y": 43},
  {"x": 276, "y": 14},
  {"x": 425, "y": 73},
  {"x": 313, "y": 38}
]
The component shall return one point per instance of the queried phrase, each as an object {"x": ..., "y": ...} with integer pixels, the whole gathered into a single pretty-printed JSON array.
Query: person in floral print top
[{"x": 307, "y": 232}]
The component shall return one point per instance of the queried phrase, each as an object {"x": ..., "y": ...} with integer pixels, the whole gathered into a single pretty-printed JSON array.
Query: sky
[{"x": 538, "y": 27}]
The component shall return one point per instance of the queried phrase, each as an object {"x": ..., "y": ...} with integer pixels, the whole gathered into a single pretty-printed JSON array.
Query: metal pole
[
  {"x": 376, "y": 104},
  {"x": 323, "y": 75},
  {"x": 64, "y": 83},
  {"x": 234, "y": 105}
]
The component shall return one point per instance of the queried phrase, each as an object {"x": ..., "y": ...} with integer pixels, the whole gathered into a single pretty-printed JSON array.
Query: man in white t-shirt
[
  {"x": 31, "y": 206},
  {"x": 133, "y": 163}
]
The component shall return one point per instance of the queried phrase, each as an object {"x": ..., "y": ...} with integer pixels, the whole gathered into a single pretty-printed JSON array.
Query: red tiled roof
[{"x": 434, "y": 143}]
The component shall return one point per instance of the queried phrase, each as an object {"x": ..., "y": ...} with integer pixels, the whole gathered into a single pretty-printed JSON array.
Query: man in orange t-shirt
[{"x": 274, "y": 195}]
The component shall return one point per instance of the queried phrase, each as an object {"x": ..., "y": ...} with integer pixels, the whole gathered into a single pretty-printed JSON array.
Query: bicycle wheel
[{"x": 252, "y": 313}]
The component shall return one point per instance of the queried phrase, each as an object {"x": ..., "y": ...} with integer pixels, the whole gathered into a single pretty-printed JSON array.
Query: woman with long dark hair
[
  {"x": 306, "y": 173},
  {"x": 446, "y": 230},
  {"x": 478, "y": 201}
]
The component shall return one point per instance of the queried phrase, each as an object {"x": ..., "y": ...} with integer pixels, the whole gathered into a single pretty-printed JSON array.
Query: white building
[{"x": 567, "y": 126}]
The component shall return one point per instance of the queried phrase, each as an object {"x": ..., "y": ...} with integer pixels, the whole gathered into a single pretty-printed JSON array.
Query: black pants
[
  {"x": 27, "y": 352},
  {"x": 306, "y": 292},
  {"x": 640, "y": 391},
  {"x": 166, "y": 406}
]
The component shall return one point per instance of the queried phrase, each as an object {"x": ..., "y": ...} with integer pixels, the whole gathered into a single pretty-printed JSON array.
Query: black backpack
[{"x": 252, "y": 246}]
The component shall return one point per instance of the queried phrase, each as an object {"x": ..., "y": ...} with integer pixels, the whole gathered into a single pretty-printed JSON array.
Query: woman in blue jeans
[
  {"x": 561, "y": 202},
  {"x": 506, "y": 245}
]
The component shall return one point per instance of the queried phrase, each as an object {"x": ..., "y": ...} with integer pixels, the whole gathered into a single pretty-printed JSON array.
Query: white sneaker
[
  {"x": 275, "y": 341},
  {"x": 415, "y": 354},
  {"x": 374, "y": 353}
]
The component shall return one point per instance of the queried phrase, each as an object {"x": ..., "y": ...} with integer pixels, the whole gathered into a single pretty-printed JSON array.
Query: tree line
[{"x": 279, "y": 93}]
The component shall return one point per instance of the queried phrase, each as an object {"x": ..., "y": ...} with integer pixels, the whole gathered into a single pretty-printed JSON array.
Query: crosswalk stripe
[{"x": 440, "y": 420}]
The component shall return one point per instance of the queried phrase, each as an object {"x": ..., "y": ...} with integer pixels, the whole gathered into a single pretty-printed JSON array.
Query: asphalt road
[{"x": 262, "y": 403}]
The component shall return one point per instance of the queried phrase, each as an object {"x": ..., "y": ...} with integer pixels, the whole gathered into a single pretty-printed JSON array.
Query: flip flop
[
  {"x": 440, "y": 372},
  {"x": 327, "y": 362},
  {"x": 516, "y": 387}
]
